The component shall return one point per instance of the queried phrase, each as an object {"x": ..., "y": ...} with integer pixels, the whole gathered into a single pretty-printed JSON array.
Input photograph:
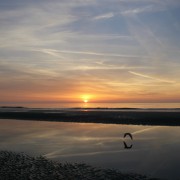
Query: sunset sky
[{"x": 99, "y": 50}]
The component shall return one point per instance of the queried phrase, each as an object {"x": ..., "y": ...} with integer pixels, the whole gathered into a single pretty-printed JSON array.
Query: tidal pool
[{"x": 155, "y": 149}]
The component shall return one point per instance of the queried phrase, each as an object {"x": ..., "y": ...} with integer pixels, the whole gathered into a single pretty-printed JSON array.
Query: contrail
[
  {"x": 89, "y": 53},
  {"x": 149, "y": 77}
]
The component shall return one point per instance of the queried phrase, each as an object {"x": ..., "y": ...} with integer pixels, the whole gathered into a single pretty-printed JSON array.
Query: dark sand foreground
[
  {"x": 19, "y": 166},
  {"x": 135, "y": 116}
]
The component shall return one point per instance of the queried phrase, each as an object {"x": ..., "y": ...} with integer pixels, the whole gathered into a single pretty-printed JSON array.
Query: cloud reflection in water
[{"x": 155, "y": 149}]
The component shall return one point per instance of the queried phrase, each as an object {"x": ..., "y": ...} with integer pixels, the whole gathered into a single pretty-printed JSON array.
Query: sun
[{"x": 86, "y": 100}]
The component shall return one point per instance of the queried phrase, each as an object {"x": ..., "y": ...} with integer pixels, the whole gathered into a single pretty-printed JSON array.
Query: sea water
[
  {"x": 154, "y": 149},
  {"x": 93, "y": 105}
]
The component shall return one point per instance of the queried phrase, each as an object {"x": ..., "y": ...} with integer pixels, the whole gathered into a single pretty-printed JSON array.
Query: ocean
[{"x": 94, "y": 105}]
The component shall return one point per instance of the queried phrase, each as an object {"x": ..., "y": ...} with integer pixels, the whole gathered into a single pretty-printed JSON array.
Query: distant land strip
[{"x": 158, "y": 118}]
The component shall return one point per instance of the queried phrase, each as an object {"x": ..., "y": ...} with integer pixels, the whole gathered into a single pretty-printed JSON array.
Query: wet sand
[
  {"x": 18, "y": 166},
  {"x": 124, "y": 116}
]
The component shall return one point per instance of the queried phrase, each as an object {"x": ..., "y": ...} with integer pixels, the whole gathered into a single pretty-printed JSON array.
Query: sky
[{"x": 96, "y": 50}]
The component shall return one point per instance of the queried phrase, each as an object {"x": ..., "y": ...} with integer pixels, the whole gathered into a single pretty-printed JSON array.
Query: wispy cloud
[
  {"x": 51, "y": 51},
  {"x": 151, "y": 77},
  {"x": 86, "y": 45},
  {"x": 134, "y": 11},
  {"x": 104, "y": 16}
]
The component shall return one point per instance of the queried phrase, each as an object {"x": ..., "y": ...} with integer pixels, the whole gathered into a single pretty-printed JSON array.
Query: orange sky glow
[{"x": 111, "y": 52}]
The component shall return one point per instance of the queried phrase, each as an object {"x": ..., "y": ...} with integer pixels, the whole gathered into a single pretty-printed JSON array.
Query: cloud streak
[
  {"x": 151, "y": 77},
  {"x": 104, "y": 16},
  {"x": 51, "y": 51},
  {"x": 74, "y": 47}
]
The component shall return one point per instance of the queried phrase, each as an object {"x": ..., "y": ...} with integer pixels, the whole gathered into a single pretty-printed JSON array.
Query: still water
[{"x": 155, "y": 150}]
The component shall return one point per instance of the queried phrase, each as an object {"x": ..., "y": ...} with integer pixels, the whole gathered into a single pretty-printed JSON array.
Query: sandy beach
[{"x": 108, "y": 116}]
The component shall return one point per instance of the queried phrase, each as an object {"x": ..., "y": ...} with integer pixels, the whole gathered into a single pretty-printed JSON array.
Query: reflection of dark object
[{"x": 125, "y": 145}]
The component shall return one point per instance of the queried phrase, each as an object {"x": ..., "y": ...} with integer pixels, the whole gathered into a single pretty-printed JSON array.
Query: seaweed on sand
[{"x": 19, "y": 166}]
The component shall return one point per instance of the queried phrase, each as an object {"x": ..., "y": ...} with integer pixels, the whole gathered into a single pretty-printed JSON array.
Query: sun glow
[{"x": 85, "y": 100}]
